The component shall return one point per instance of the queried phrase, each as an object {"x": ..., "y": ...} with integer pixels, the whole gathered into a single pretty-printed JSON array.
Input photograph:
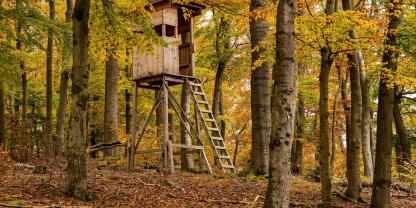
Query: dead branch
[{"x": 21, "y": 165}]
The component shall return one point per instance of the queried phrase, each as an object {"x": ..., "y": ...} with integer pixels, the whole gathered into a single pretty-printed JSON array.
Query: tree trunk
[
  {"x": 401, "y": 129},
  {"x": 353, "y": 142},
  {"x": 324, "y": 155},
  {"x": 2, "y": 117},
  {"x": 333, "y": 143},
  {"x": 345, "y": 105},
  {"x": 382, "y": 170},
  {"x": 222, "y": 45},
  {"x": 127, "y": 96},
  {"x": 111, "y": 103},
  {"x": 49, "y": 83},
  {"x": 366, "y": 121},
  {"x": 296, "y": 161},
  {"x": 63, "y": 88},
  {"x": 76, "y": 157},
  {"x": 187, "y": 163},
  {"x": 19, "y": 47},
  {"x": 283, "y": 107},
  {"x": 260, "y": 90}
]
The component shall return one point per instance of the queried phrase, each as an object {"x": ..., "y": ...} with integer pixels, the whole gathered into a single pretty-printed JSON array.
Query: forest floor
[{"x": 111, "y": 186}]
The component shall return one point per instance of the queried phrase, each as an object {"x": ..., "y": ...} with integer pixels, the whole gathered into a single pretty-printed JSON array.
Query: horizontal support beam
[{"x": 188, "y": 146}]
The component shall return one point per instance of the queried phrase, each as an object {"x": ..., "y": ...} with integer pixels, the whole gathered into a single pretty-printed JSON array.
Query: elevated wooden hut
[
  {"x": 169, "y": 65},
  {"x": 173, "y": 22}
]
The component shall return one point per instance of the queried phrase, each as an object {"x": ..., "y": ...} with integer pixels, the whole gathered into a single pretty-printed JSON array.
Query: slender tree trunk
[
  {"x": 222, "y": 46},
  {"x": 345, "y": 105},
  {"x": 76, "y": 156},
  {"x": 283, "y": 107},
  {"x": 366, "y": 121},
  {"x": 19, "y": 47},
  {"x": 63, "y": 88},
  {"x": 382, "y": 171},
  {"x": 372, "y": 142},
  {"x": 2, "y": 117},
  {"x": 49, "y": 83},
  {"x": 260, "y": 90},
  {"x": 187, "y": 162},
  {"x": 127, "y": 96},
  {"x": 111, "y": 103},
  {"x": 353, "y": 142},
  {"x": 324, "y": 154},
  {"x": 296, "y": 162},
  {"x": 401, "y": 129},
  {"x": 333, "y": 143}
]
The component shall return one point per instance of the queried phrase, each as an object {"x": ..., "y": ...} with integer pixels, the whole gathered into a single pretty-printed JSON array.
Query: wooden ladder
[{"x": 210, "y": 126}]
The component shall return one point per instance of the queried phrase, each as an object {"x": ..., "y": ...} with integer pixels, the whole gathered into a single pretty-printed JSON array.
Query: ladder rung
[
  {"x": 224, "y": 157},
  {"x": 209, "y": 119},
  {"x": 202, "y": 101},
  {"x": 199, "y": 93},
  {"x": 228, "y": 166},
  {"x": 220, "y": 147},
  {"x": 217, "y": 138},
  {"x": 212, "y": 129},
  {"x": 195, "y": 84},
  {"x": 205, "y": 111}
]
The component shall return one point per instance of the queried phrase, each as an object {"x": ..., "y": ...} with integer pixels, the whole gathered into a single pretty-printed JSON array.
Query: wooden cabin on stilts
[{"x": 171, "y": 65}]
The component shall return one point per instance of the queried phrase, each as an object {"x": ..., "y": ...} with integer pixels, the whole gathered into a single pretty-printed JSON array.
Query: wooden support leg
[
  {"x": 132, "y": 150},
  {"x": 198, "y": 130},
  {"x": 167, "y": 144}
]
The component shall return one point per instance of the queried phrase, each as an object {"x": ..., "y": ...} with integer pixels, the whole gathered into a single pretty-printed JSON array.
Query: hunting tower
[{"x": 173, "y": 64}]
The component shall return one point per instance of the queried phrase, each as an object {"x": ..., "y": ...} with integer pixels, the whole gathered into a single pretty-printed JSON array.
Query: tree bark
[
  {"x": 127, "y": 96},
  {"x": 111, "y": 103},
  {"x": 63, "y": 88},
  {"x": 296, "y": 161},
  {"x": 222, "y": 46},
  {"x": 345, "y": 105},
  {"x": 401, "y": 129},
  {"x": 187, "y": 163},
  {"x": 49, "y": 83},
  {"x": 260, "y": 90},
  {"x": 324, "y": 155},
  {"x": 19, "y": 47},
  {"x": 2, "y": 117},
  {"x": 283, "y": 106},
  {"x": 382, "y": 171},
  {"x": 76, "y": 157},
  {"x": 333, "y": 143},
  {"x": 366, "y": 121},
  {"x": 353, "y": 142}
]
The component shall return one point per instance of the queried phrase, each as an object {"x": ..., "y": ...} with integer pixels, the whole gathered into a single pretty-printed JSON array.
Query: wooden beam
[
  {"x": 188, "y": 146},
  {"x": 130, "y": 162}
]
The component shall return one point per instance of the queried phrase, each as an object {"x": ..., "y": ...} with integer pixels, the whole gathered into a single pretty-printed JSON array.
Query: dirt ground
[{"x": 111, "y": 186}]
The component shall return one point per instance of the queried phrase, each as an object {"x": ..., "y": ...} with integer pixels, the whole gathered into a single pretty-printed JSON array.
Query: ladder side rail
[{"x": 206, "y": 130}]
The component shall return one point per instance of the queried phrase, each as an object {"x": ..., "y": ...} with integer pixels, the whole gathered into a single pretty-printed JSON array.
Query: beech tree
[
  {"x": 63, "y": 86},
  {"x": 260, "y": 92},
  {"x": 382, "y": 172},
  {"x": 76, "y": 156},
  {"x": 283, "y": 106}
]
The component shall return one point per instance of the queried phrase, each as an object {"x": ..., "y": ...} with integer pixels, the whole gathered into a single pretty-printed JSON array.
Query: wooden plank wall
[{"x": 158, "y": 61}]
